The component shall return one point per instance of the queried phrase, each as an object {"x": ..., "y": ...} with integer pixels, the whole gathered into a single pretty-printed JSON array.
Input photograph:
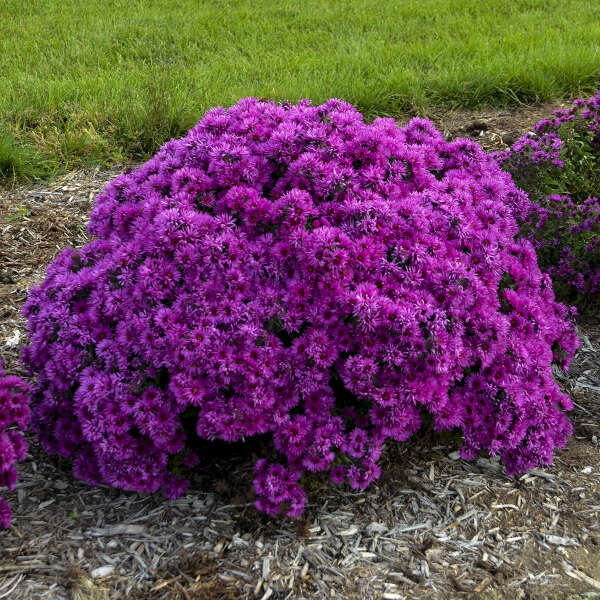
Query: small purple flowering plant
[
  {"x": 14, "y": 416},
  {"x": 558, "y": 165},
  {"x": 291, "y": 271}
]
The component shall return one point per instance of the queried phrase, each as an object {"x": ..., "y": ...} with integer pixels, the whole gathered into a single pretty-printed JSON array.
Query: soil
[
  {"x": 493, "y": 129},
  {"x": 433, "y": 526}
]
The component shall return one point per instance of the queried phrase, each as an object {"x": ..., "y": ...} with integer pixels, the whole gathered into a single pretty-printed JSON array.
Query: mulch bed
[{"x": 433, "y": 526}]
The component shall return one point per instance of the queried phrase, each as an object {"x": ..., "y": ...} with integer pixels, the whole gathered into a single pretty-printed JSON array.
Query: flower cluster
[
  {"x": 290, "y": 270},
  {"x": 14, "y": 415},
  {"x": 558, "y": 165}
]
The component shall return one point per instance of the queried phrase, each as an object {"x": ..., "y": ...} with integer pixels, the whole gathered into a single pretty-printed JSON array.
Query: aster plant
[
  {"x": 558, "y": 165},
  {"x": 291, "y": 271},
  {"x": 14, "y": 416}
]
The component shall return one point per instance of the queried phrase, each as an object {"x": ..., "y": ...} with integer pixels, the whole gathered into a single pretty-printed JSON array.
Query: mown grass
[{"x": 109, "y": 80}]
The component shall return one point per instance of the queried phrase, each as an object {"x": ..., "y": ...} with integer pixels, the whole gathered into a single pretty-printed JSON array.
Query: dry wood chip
[
  {"x": 267, "y": 594},
  {"x": 560, "y": 541},
  {"x": 485, "y": 583},
  {"x": 165, "y": 583},
  {"x": 34, "y": 566},
  {"x": 119, "y": 530},
  {"x": 580, "y": 575},
  {"x": 103, "y": 571},
  {"x": 220, "y": 545}
]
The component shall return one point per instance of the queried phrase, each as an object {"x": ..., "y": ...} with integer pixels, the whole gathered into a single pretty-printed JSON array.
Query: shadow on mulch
[
  {"x": 182, "y": 577},
  {"x": 188, "y": 577}
]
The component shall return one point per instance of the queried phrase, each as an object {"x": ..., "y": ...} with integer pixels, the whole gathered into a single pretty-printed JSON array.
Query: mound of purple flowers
[
  {"x": 558, "y": 165},
  {"x": 14, "y": 415},
  {"x": 290, "y": 270}
]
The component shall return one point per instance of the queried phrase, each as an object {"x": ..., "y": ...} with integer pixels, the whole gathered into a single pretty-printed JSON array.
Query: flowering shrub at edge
[
  {"x": 290, "y": 270},
  {"x": 14, "y": 415},
  {"x": 558, "y": 165}
]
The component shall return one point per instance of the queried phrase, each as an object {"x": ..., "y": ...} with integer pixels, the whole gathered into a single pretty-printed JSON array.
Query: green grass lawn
[{"x": 107, "y": 80}]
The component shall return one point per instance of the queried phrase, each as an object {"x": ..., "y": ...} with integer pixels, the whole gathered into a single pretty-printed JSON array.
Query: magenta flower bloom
[
  {"x": 14, "y": 417},
  {"x": 290, "y": 270}
]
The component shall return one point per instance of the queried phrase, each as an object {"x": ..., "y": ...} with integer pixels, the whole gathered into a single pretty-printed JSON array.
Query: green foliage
[
  {"x": 117, "y": 78},
  {"x": 558, "y": 165},
  {"x": 579, "y": 175},
  {"x": 19, "y": 214}
]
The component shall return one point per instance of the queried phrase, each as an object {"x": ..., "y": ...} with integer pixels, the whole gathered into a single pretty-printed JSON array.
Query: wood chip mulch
[{"x": 432, "y": 527}]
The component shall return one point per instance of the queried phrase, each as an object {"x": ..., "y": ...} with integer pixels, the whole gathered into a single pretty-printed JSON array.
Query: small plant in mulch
[
  {"x": 290, "y": 271},
  {"x": 558, "y": 165},
  {"x": 14, "y": 416}
]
